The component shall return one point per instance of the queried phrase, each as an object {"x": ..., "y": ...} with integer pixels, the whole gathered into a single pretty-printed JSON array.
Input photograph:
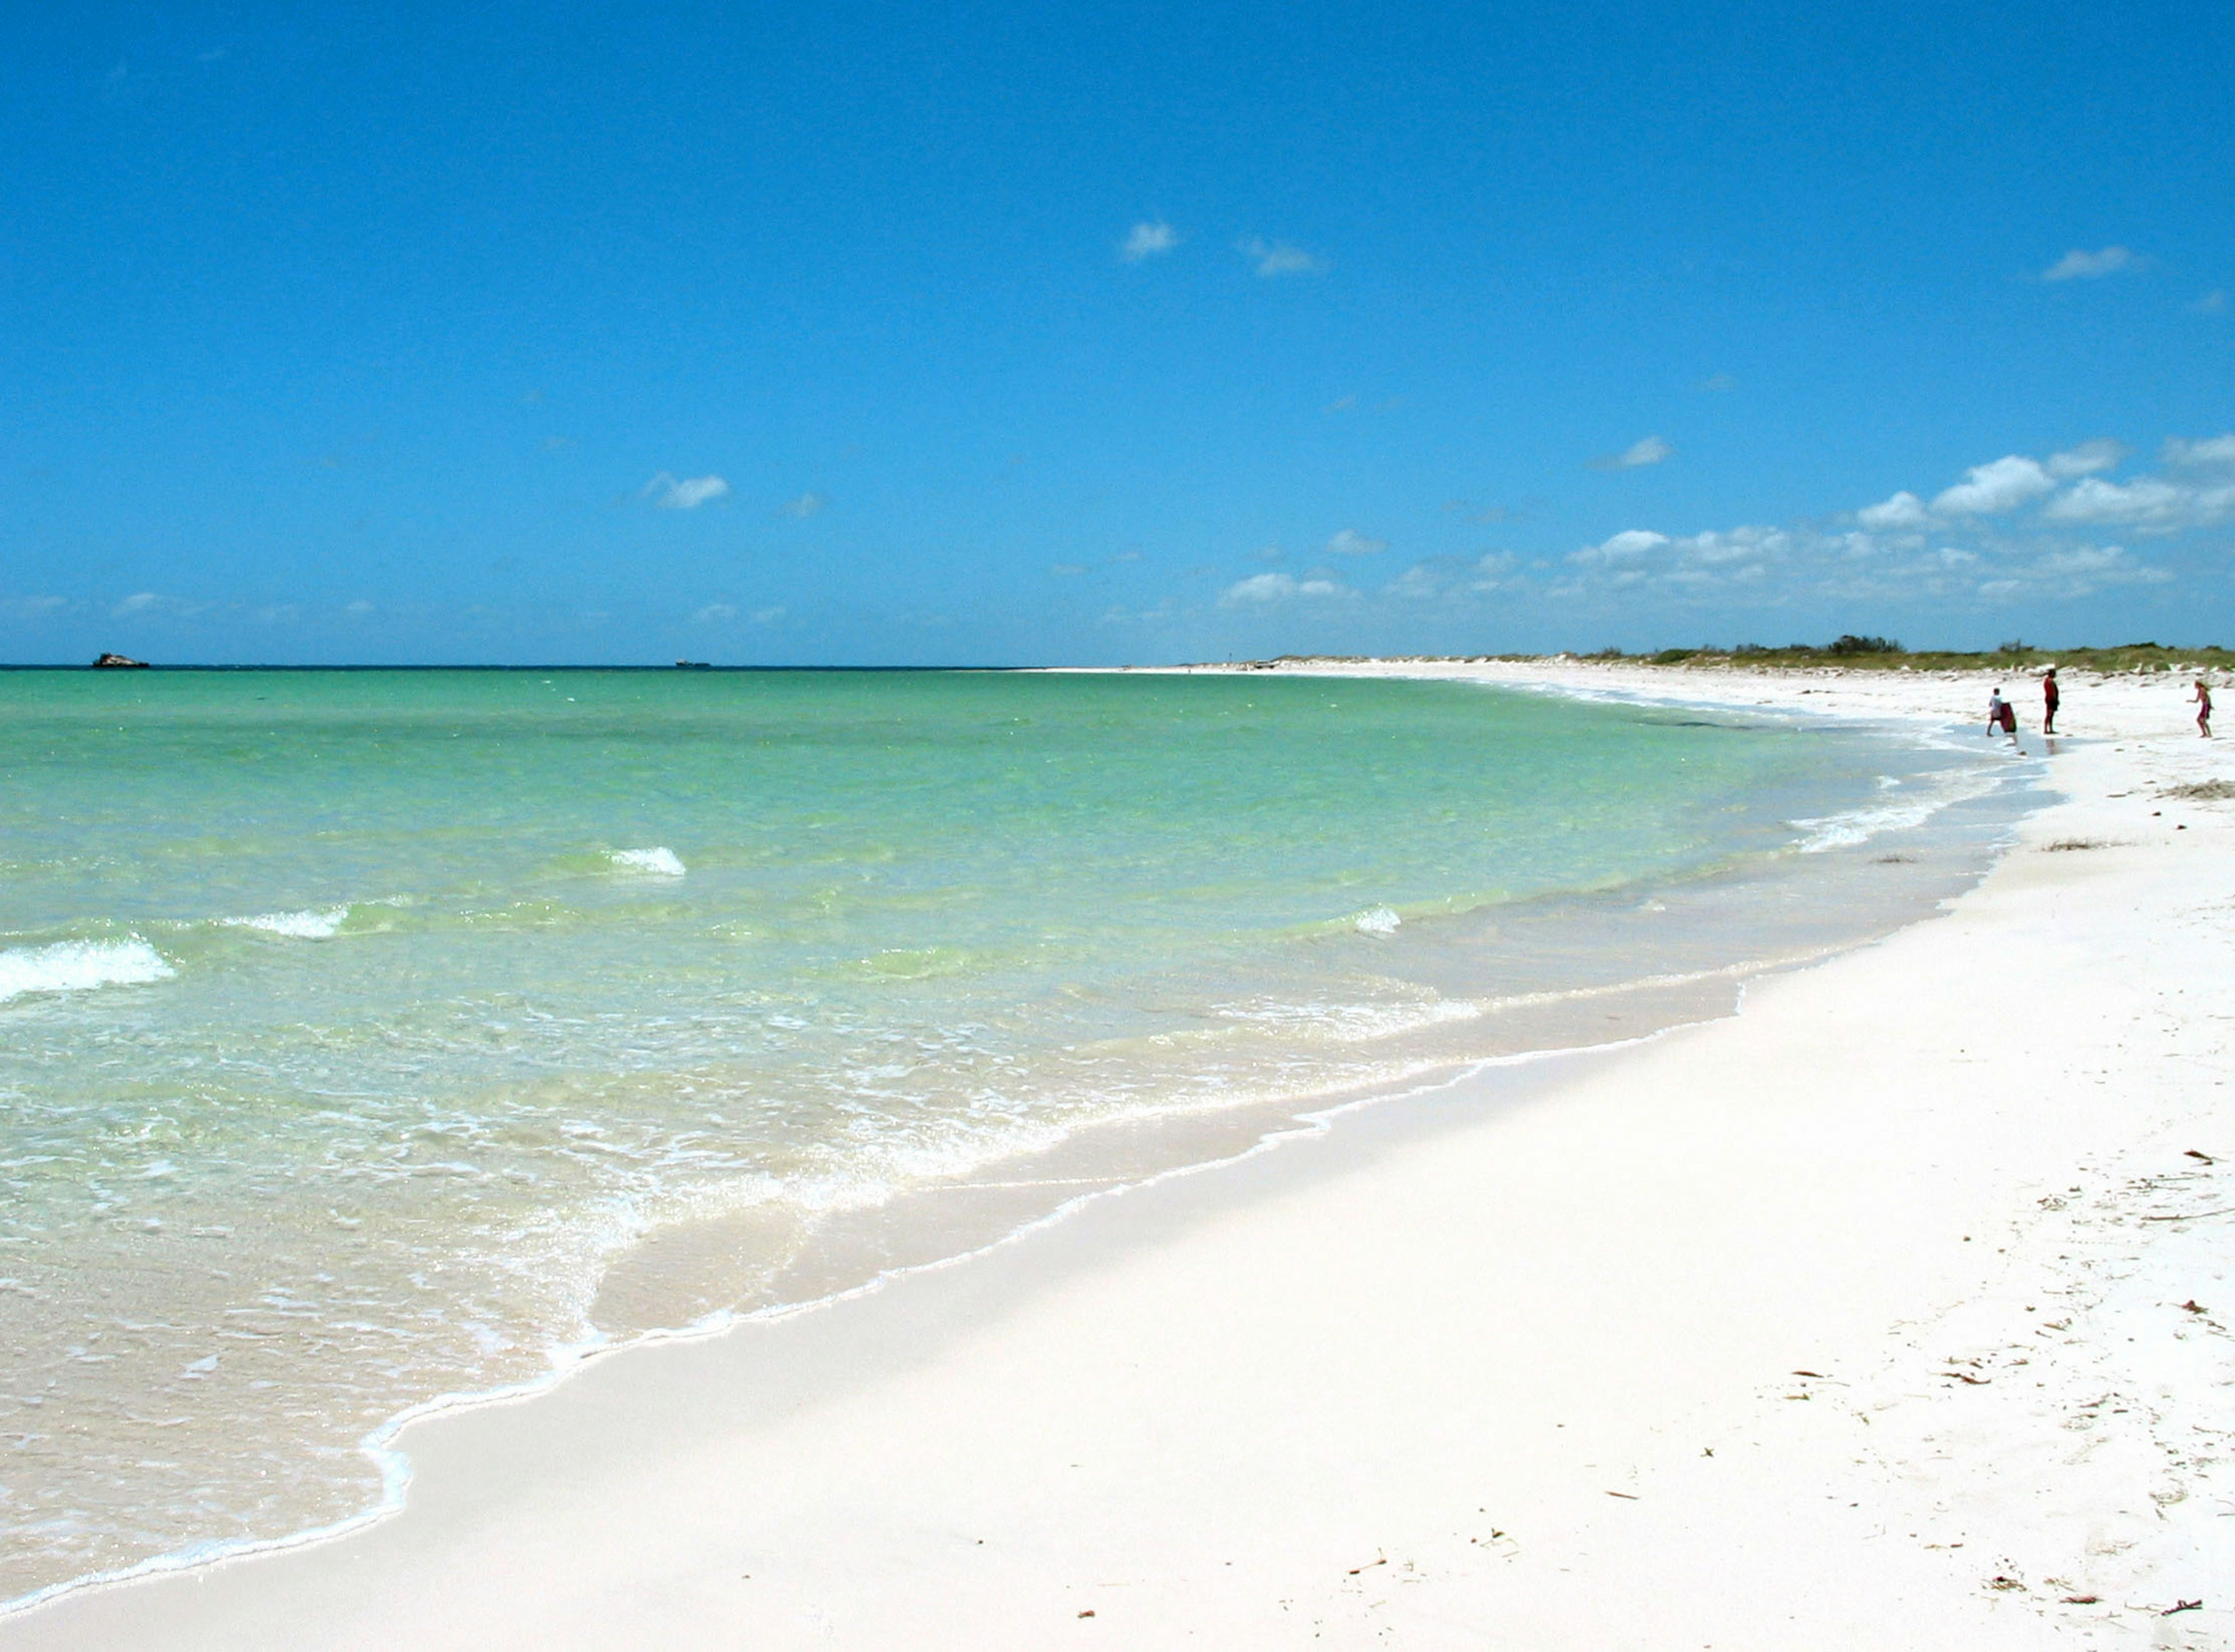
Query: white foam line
[{"x": 79, "y": 966}]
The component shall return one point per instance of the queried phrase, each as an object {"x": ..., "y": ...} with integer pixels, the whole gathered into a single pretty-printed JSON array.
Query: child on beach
[
  {"x": 2002, "y": 716},
  {"x": 2202, "y": 700},
  {"x": 2048, "y": 699}
]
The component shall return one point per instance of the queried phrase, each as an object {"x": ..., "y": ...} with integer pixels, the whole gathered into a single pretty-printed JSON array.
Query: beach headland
[{"x": 1888, "y": 1312}]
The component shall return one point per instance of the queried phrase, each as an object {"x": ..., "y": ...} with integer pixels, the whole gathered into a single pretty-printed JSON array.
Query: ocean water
[{"x": 368, "y": 1037}]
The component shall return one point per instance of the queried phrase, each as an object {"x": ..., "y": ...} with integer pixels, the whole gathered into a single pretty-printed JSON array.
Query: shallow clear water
[{"x": 355, "y": 1026}]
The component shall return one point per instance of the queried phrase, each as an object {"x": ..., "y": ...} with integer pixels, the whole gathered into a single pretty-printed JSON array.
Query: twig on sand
[
  {"x": 1627, "y": 1497},
  {"x": 2182, "y": 1606},
  {"x": 2192, "y": 1215}
]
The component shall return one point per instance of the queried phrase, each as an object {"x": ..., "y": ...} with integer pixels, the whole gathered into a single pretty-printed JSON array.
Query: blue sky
[{"x": 1013, "y": 333}]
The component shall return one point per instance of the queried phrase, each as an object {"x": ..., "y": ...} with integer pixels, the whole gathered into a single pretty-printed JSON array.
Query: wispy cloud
[
  {"x": 32, "y": 607},
  {"x": 769, "y": 616},
  {"x": 1280, "y": 587},
  {"x": 154, "y": 604},
  {"x": 715, "y": 613},
  {"x": 1719, "y": 384},
  {"x": 1621, "y": 547},
  {"x": 1279, "y": 258},
  {"x": 799, "y": 509},
  {"x": 2078, "y": 265},
  {"x": 1349, "y": 542},
  {"x": 668, "y": 492},
  {"x": 2213, "y": 302},
  {"x": 1147, "y": 241},
  {"x": 1650, "y": 451},
  {"x": 2088, "y": 458},
  {"x": 2213, "y": 452},
  {"x": 1445, "y": 578}
]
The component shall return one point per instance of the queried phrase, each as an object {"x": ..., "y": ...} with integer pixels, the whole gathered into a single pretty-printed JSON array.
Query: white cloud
[
  {"x": 1904, "y": 509},
  {"x": 1650, "y": 451},
  {"x": 769, "y": 616},
  {"x": 668, "y": 492},
  {"x": 2211, "y": 454},
  {"x": 1147, "y": 242},
  {"x": 2094, "y": 499},
  {"x": 2101, "y": 454},
  {"x": 1719, "y": 384},
  {"x": 2149, "y": 504},
  {"x": 1349, "y": 542},
  {"x": 138, "y": 602},
  {"x": 2077, "y": 265},
  {"x": 359, "y": 607},
  {"x": 715, "y": 613},
  {"x": 1279, "y": 588},
  {"x": 32, "y": 607},
  {"x": 1278, "y": 258},
  {"x": 2213, "y": 302},
  {"x": 1994, "y": 490},
  {"x": 1068, "y": 570},
  {"x": 1631, "y": 542},
  {"x": 799, "y": 509}
]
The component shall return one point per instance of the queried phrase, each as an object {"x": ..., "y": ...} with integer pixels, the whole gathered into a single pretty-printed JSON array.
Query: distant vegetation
[{"x": 1883, "y": 653}]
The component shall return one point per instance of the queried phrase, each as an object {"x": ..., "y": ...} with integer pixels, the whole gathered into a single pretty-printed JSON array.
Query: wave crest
[
  {"x": 297, "y": 925},
  {"x": 658, "y": 862},
  {"x": 80, "y": 966}
]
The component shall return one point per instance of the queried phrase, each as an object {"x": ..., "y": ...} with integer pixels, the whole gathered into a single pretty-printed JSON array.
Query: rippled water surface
[{"x": 352, "y": 1026}]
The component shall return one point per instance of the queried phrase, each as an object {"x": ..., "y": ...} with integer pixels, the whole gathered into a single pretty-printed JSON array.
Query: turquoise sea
[{"x": 364, "y": 1036}]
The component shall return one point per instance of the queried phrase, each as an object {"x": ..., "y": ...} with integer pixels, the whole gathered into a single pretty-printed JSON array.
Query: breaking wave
[
  {"x": 658, "y": 863},
  {"x": 80, "y": 966}
]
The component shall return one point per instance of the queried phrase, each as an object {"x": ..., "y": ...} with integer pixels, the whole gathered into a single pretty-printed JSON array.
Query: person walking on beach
[
  {"x": 2002, "y": 716},
  {"x": 2048, "y": 697},
  {"x": 2202, "y": 701}
]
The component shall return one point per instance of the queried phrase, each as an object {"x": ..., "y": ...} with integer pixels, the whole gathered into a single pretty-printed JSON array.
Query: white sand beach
[{"x": 1891, "y": 1312}]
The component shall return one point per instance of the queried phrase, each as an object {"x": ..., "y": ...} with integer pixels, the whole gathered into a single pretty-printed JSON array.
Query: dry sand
[{"x": 1890, "y": 1313}]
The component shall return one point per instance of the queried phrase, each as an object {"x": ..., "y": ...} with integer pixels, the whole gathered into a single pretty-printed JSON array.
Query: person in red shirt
[{"x": 2048, "y": 699}]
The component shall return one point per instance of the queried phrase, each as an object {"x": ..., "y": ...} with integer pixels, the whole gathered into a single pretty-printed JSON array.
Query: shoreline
[
  {"x": 1689, "y": 961},
  {"x": 324, "y": 1558}
]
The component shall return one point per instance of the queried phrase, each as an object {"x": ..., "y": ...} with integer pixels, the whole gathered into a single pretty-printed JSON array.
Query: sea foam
[
  {"x": 660, "y": 863},
  {"x": 321, "y": 925},
  {"x": 1860, "y": 825},
  {"x": 78, "y": 965}
]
